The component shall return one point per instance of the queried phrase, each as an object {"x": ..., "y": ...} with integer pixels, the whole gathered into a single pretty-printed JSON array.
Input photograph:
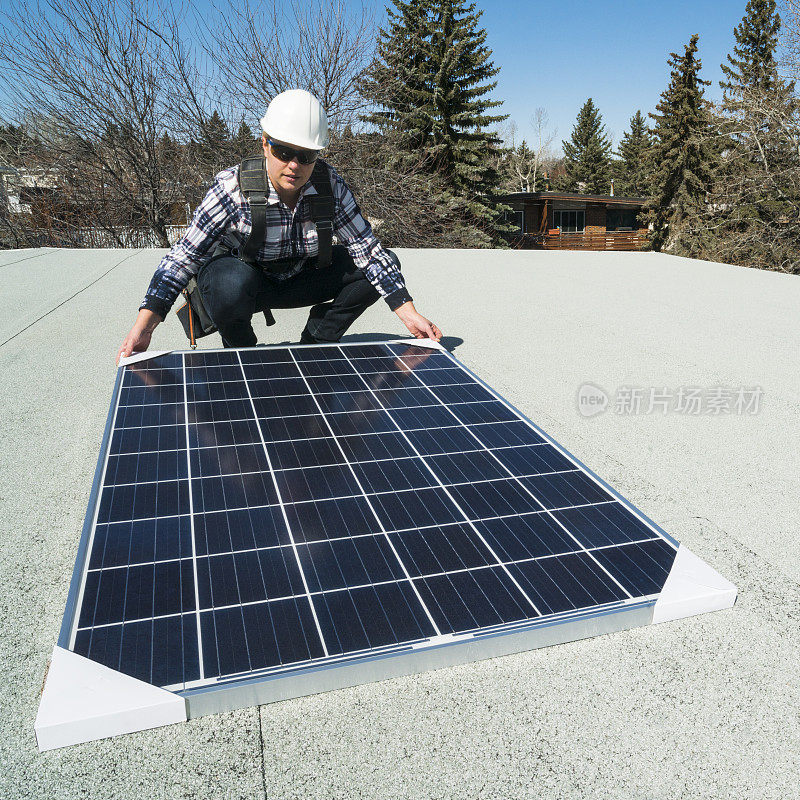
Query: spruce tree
[
  {"x": 752, "y": 63},
  {"x": 168, "y": 150},
  {"x": 682, "y": 155},
  {"x": 631, "y": 167},
  {"x": 245, "y": 144},
  {"x": 587, "y": 154},
  {"x": 398, "y": 82},
  {"x": 431, "y": 82},
  {"x": 215, "y": 142}
]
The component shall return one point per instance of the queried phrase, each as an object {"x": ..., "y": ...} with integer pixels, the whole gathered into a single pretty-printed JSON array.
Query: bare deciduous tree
[
  {"x": 97, "y": 84},
  {"x": 524, "y": 165},
  {"x": 268, "y": 46},
  {"x": 789, "y": 35},
  {"x": 398, "y": 201},
  {"x": 543, "y": 152},
  {"x": 516, "y": 162}
]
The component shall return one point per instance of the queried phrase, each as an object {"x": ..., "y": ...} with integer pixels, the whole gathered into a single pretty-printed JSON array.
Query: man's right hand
[{"x": 138, "y": 340}]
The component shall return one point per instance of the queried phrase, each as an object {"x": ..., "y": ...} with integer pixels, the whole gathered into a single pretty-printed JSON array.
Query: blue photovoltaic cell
[{"x": 275, "y": 508}]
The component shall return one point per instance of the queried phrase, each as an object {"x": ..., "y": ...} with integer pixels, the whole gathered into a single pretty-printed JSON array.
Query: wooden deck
[{"x": 610, "y": 240}]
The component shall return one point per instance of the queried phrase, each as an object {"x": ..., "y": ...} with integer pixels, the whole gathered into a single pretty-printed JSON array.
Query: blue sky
[{"x": 556, "y": 55}]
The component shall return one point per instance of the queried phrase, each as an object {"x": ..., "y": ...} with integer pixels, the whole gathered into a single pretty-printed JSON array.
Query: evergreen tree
[
  {"x": 752, "y": 62},
  {"x": 752, "y": 73},
  {"x": 167, "y": 150},
  {"x": 430, "y": 81},
  {"x": 398, "y": 82},
  {"x": 587, "y": 154},
  {"x": 631, "y": 167},
  {"x": 215, "y": 143},
  {"x": 682, "y": 156},
  {"x": 245, "y": 144}
]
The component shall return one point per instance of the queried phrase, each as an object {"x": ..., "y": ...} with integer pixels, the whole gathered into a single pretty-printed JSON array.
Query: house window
[
  {"x": 519, "y": 220},
  {"x": 620, "y": 220},
  {"x": 569, "y": 221}
]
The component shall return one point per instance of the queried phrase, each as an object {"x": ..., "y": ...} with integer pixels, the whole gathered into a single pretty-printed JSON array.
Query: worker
[{"x": 283, "y": 273}]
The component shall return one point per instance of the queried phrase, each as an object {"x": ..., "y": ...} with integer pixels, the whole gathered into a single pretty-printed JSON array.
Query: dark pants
[{"x": 233, "y": 291}]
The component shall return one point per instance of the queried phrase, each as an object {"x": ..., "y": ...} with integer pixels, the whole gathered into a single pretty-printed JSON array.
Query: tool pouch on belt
[{"x": 193, "y": 315}]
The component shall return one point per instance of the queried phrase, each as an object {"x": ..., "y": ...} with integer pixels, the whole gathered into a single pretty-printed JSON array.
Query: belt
[
  {"x": 279, "y": 265},
  {"x": 275, "y": 267}
]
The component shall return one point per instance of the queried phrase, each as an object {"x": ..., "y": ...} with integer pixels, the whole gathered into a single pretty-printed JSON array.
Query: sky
[{"x": 556, "y": 55}]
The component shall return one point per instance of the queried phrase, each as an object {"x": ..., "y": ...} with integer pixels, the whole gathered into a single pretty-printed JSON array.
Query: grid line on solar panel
[
  {"x": 461, "y": 461},
  {"x": 483, "y": 522},
  {"x": 396, "y": 398},
  {"x": 201, "y": 664},
  {"x": 547, "y": 511},
  {"x": 253, "y": 472},
  {"x": 293, "y": 399},
  {"x": 530, "y": 491},
  {"x": 342, "y": 384},
  {"x": 346, "y": 539}
]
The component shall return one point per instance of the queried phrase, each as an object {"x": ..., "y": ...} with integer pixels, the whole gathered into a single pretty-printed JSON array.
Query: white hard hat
[{"x": 296, "y": 117}]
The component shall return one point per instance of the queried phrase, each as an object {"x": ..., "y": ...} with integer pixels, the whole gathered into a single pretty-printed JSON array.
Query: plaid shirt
[{"x": 224, "y": 217}]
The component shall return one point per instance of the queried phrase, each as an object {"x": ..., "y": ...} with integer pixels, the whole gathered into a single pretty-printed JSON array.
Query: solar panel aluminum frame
[
  {"x": 70, "y": 618},
  {"x": 280, "y": 683},
  {"x": 446, "y": 651}
]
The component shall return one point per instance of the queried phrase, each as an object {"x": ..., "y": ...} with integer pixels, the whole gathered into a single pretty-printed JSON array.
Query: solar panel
[{"x": 276, "y": 521}]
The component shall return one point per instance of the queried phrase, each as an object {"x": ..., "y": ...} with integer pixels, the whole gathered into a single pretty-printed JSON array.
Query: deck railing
[{"x": 608, "y": 240}]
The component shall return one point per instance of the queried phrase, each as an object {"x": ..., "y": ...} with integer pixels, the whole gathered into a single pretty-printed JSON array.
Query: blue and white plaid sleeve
[
  {"x": 209, "y": 223},
  {"x": 356, "y": 234}
]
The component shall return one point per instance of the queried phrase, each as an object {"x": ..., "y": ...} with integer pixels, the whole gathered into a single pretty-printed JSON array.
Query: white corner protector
[
  {"x": 692, "y": 587},
  {"x": 142, "y": 357},
  {"x": 420, "y": 343},
  {"x": 83, "y": 701}
]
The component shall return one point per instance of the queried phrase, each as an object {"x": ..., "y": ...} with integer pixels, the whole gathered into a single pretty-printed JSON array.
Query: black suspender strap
[
  {"x": 321, "y": 205},
  {"x": 255, "y": 187}
]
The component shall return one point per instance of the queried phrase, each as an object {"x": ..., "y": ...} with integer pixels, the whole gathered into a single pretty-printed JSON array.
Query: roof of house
[
  {"x": 702, "y": 707},
  {"x": 576, "y": 196}
]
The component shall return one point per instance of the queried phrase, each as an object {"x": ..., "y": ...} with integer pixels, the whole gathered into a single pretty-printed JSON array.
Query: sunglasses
[{"x": 287, "y": 154}]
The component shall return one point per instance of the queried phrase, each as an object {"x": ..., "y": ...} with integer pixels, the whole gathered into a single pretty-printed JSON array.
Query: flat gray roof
[{"x": 703, "y": 707}]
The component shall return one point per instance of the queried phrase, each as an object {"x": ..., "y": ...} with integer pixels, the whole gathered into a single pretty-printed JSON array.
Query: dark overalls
[{"x": 233, "y": 291}]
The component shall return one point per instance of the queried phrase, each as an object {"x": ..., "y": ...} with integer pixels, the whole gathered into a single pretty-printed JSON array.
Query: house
[
  {"x": 570, "y": 221},
  {"x": 21, "y": 189}
]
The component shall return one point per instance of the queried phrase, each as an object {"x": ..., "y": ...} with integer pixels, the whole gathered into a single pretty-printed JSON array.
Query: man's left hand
[{"x": 420, "y": 327}]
